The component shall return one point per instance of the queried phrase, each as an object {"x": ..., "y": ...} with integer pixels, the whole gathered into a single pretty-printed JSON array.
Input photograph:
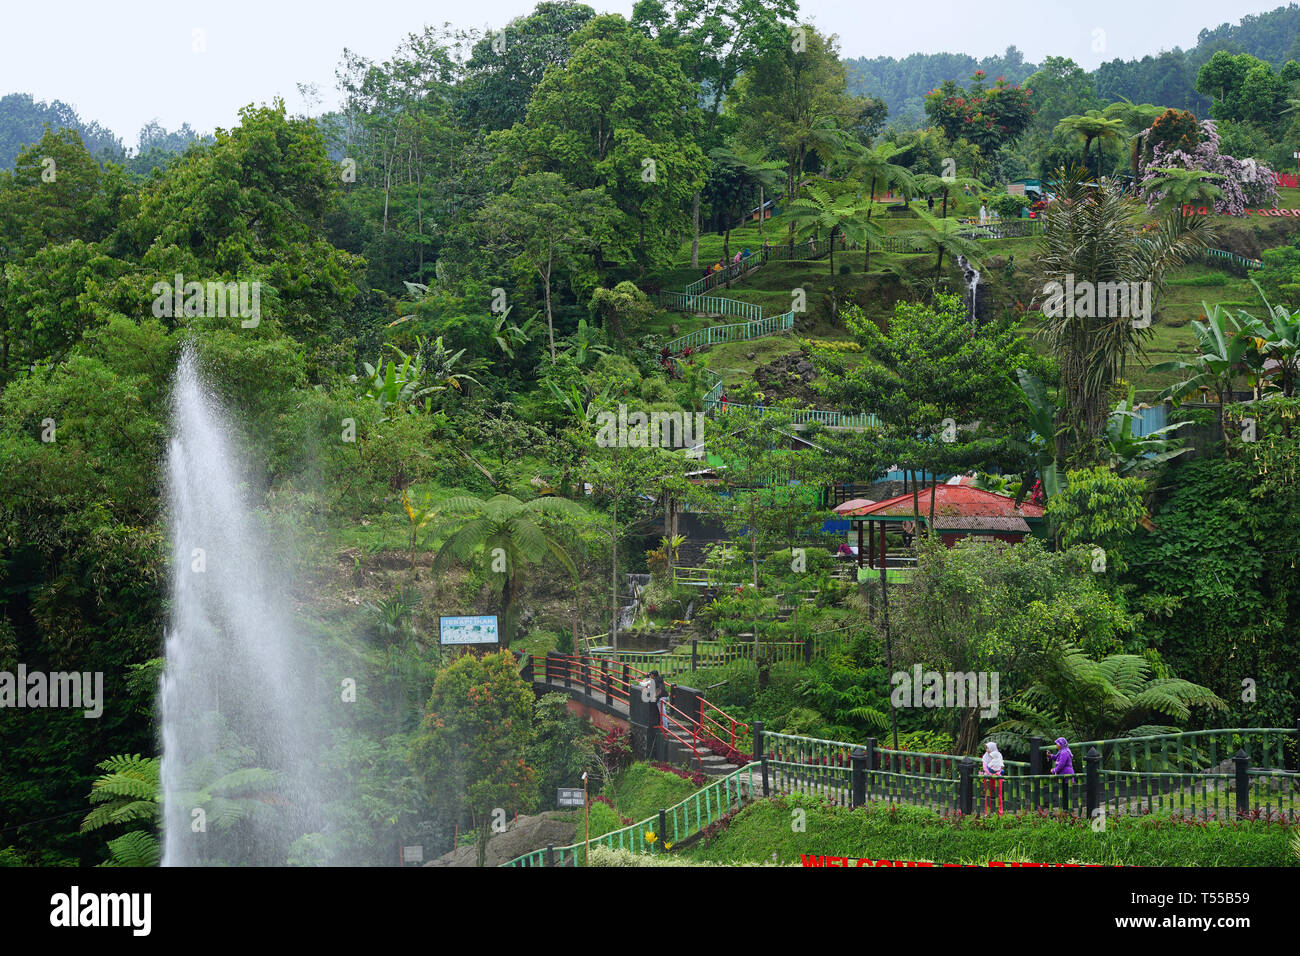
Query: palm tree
[
  {"x": 943, "y": 235},
  {"x": 505, "y": 532},
  {"x": 1137, "y": 118},
  {"x": 863, "y": 230},
  {"x": 1092, "y": 235},
  {"x": 928, "y": 183},
  {"x": 750, "y": 164},
  {"x": 1092, "y": 125},
  {"x": 1179, "y": 187},
  {"x": 876, "y": 164},
  {"x": 818, "y": 211}
]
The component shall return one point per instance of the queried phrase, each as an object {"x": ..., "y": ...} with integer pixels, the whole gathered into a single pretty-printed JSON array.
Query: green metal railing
[
  {"x": 1267, "y": 748},
  {"x": 755, "y": 327},
  {"x": 680, "y": 822},
  {"x": 1241, "y": 262},
  {"x": 712, "y": 305},
  {"x": 804, "y": 416}
]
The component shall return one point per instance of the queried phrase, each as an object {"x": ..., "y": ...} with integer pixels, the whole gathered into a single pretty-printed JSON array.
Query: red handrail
[
  {"x": 595, "y": 676},
  {"x": 682, "y": 720}
]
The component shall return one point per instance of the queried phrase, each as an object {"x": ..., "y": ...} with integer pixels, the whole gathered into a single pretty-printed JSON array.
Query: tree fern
[
  {"x": 128, "y": 792},
  {"x": 136, "y": 848}
]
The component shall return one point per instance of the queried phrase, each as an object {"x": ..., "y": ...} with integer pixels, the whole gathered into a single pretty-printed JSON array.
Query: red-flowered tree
[
  {"x": 989, "y": 117},
  {"x": 470, "y": 753}
]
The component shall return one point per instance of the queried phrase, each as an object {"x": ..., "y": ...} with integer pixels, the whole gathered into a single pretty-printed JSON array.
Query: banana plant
[
  {"x": 1042, "y": 440},
  {"x": 583, "y": 343},
  {"x": 408, "y": 386},
  {"x": 1278, "y": 339},
  {"x": 1223, "y": 350},
  {"x": 396, "y": 386},
  {"x": 1131, "y": 454},
  {"x": 438, "y": 364},
  {"x": 583, "y": 409},
  {"x": 508, "y": 336}
]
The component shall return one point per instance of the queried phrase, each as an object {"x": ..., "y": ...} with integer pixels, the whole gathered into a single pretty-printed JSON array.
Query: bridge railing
[{"x": 1241, "y": 263}]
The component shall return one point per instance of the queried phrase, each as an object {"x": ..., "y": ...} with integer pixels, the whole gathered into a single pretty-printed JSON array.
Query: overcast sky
[{"x": 127, "y": 63}]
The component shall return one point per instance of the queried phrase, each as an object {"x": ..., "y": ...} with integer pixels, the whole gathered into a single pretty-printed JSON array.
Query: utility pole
[
  {"x": 889, "y": 651},
  {"x": 586, "y": 814}
]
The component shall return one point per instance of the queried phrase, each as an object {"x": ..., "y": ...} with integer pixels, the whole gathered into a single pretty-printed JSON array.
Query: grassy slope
[
  {"x": 911, "y": 833},
  {"x": 641, "y": 791}
]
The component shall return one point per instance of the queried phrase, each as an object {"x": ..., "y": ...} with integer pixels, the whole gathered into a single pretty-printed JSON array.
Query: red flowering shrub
[
  {"x": 694, "y": 776},
  {"x": 617, "y": 748}
]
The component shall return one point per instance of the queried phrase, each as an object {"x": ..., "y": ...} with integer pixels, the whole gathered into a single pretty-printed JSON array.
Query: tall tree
[
  {"x": 1092, "y": 125},
  {"x": 543, "y": 223},
  {"x": 716, "y": 42},
  {"x": 794, "y": 99},
  {"x": 470, "y": 753},
  {"x": 505, "y": 66},
  {"x": 616, "y": 115}
]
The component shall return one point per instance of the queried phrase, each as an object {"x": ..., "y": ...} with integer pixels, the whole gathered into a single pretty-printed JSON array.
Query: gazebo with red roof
[{"x": 959, "y": 511}]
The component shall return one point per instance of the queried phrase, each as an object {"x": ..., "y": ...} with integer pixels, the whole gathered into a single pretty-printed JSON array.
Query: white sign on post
[{"x": 412, "y": 854}]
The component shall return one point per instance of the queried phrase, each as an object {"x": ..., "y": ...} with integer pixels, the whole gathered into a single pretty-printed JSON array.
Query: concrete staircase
[{"x": 682, "y": 755}]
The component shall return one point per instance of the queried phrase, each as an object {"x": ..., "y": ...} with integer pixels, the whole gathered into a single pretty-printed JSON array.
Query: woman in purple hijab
[{"x": 1064, "y": 768}]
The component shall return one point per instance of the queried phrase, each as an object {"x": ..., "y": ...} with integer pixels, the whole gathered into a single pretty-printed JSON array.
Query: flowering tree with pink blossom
[{"x": 1244, "y": 183}]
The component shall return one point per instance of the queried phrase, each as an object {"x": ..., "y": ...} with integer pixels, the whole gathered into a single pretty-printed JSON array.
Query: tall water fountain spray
[{"x": 237, "y": 691}]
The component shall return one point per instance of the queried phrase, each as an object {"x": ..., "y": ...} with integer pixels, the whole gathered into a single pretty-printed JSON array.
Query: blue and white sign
[{"x": 468, "y": 630}]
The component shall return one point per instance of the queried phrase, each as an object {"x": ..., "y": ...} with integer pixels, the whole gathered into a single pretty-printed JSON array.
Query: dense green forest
[
  {"x": 1167, "y": 77},
  {"x": 475, "y": 256}
]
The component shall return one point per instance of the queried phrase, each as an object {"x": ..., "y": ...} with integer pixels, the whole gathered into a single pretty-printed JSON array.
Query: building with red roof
[{"x": 960, "y": 511}]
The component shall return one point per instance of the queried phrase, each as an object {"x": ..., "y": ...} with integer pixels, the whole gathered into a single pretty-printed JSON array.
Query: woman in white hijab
[
  {"x": 992, "y": 759},
  {"x": 992, "y": 768}
]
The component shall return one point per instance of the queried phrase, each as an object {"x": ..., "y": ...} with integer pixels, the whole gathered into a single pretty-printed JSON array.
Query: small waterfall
[
  {"x": 242, "y": 722},
  {"x": 628, "y": 614},
  {"x": 972, "y": 287}
]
